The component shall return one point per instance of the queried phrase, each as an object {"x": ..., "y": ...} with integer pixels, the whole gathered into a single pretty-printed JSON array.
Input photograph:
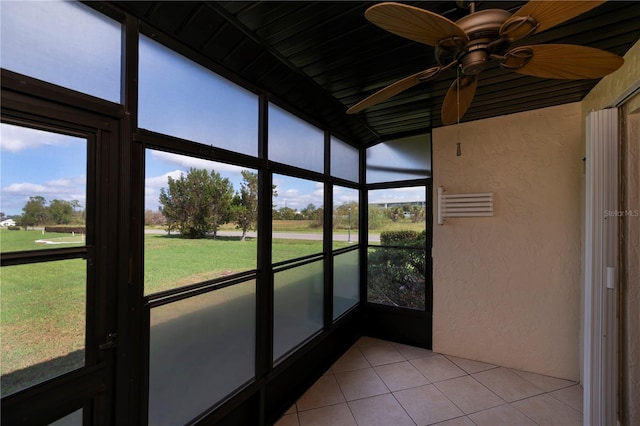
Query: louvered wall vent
[{"x": 464, "y": 205}]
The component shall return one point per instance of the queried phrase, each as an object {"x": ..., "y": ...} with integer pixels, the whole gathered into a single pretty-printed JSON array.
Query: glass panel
[
  {"x": 346, "y": 282},
  {"x": 181, "y": 98},
  {"x": 65, "y": 43},
  {"x": 297, "y": 306},
  {"x": 402, "y": 159},
  {"x": 396, "y": 277},
  {"x": 294, "y": 141},
  {"x": 73, "y": 419},
  {"x": 345, "y": 216},
  {"x": 344, "y": 160},
  {"x": 396, "y": 211},
  {"x": 194, "y": 235},
  {"x": 201, "y": 349},
  {"x": 297, "y": 217},
  {"x": 42, "y": 304},
  {"x": 44, "y": 189}
]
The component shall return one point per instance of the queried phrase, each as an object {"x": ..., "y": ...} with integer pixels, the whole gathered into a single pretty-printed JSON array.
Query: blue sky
[
  {"x": 292, "y": 192},
  {"x": 35, "y": 162},
  {"x": 177, "y": 97}
]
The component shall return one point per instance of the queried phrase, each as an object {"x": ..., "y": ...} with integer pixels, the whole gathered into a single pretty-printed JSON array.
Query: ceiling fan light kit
[{"x": 471, "y": 42}]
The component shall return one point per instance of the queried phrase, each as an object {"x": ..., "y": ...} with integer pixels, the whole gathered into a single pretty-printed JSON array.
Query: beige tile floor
[{"x": 388, "y": 384}]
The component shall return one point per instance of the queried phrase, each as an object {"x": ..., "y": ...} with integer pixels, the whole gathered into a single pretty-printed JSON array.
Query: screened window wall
[
  {"x": 345, "y": 226},
  {"x": 204, "y": 219},
  {"x": 397, "y": 213},
  {"x": 200, "y": 234},
  {"x": 204, "y": 268},
  {"x": 64, "y": 43},
  {"x": 45, "y": 246}
]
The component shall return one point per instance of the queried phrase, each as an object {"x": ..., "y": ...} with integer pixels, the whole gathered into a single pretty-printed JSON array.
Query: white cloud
[
  {"x": 25, "y": 188},
  {"x": 297, "y": 200},
  {"x": 342, "y": 195},
  {"x": 197, "y": 163},
  {"x": 291, "y": 192},
  {"x": 15, "y": 195},
  {"x": 57, "y": 188},
  {"x": 344, "y": 198},
  {"x": 397, "y": 195},
  {"x": 161, "y": 181},
  {"x": 16, "y": 138},
  {"x": 152, "y": 186}
]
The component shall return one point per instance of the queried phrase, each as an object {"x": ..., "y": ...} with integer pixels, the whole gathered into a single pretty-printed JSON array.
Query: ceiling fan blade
[
  {"x": 414, "y": 23},
  {"x": 456, "y": 102},
  {"x": 545, "y": 14},
  {"x": 394, "y": 89},
  {"x": 562, "y": 61}
]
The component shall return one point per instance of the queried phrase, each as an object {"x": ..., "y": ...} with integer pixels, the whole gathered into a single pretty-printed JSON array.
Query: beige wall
[
  {"x": 611, "y": 86},
  {"x": 507, "y": 288}
]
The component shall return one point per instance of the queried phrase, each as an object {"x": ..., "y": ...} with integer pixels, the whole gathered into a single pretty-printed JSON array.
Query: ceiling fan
[{"x": 471, "y": 42}]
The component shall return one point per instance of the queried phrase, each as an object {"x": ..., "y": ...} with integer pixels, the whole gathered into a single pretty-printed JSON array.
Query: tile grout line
[
  {"x": 342, "y": 392},
  {"x": 391, "y": 392},
  {"x": 561, "y": 401},
  {"x": 406, "y": 359}
]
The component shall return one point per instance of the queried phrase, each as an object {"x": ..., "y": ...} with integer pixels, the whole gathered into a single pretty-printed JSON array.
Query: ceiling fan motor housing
[{"x": 483, "y": 30}]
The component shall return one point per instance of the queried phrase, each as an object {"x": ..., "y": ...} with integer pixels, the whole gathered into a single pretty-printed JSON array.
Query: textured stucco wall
[
  {"x": 507, "y": 288},
  {"x": 611, "y": 86}
]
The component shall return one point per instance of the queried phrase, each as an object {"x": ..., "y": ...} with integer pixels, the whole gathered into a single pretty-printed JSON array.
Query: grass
[
  {"x": 42, "y": 317},
  {"x": 311, "y": 227},
  {"x": 171, "y": 262},
  {"x": 26, "y": 240},
  {"x": 42, "y": 305}
]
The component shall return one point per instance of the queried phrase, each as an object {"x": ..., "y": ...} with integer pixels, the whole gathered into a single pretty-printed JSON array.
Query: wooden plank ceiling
[{"x": 323, "y": 57}]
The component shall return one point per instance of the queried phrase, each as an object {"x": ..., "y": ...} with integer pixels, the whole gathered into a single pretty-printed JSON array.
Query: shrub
[
  {"x": 396, "y": 273},
  {"x": 13, "y": 228},
  {"x": 66, "y": 229},
  {"x": 402, "y": 238}
]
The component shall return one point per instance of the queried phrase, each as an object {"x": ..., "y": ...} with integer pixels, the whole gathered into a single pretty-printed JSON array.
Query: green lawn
[
  {"x": 28, "y": 240},
  {"x": 42, "y": 320},
  {"x": 42, "y": 305},
  {"x": 172, "y": 262}
]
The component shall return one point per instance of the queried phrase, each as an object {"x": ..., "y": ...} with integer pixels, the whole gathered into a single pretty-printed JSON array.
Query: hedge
[
  {"x": 402, "y": 238},
  {"x": 66, "y": 229}
]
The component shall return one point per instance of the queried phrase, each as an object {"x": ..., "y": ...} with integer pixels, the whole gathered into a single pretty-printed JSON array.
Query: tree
[
  {"x": 61, "y": 211},
  {"x": 311, "y": 212},
  {"x": 245, "y": 203},
  {"x": 197, "y": 203},
  {"x": 395, "y": 213},
  {"x": 418, "y": 214},
  {"x": 78, "y": 212},
  {"x": 154, "y": 218},
  {"x": 376, "y": 217},
  {"x": 286, "y": 213},
  {"x": 345, "y": 216},
  {"x": 34, "y": 212}
]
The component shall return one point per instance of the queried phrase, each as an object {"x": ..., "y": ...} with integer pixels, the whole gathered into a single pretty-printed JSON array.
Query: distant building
[{"x": 7, "y": 223}]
